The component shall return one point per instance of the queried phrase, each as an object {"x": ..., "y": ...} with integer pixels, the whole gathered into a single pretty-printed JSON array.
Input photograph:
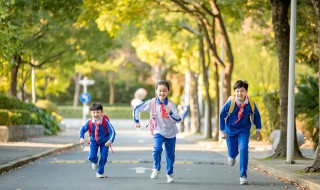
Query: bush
[
  {"x": 4, "y": 115},
  {"x": 14, "y": 117},
  {"x": 9, "y": 102},
  {"x": 47, "y": 105}
]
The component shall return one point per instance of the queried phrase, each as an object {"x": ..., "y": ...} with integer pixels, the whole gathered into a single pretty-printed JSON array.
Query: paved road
[{"x": 130, "y": 167}]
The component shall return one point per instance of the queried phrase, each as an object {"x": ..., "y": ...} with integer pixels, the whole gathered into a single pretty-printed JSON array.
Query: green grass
[{"x": 113, "y": 112}]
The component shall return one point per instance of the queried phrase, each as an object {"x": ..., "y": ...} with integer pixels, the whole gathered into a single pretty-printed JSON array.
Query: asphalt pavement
[{"x": 16, "y": 154}]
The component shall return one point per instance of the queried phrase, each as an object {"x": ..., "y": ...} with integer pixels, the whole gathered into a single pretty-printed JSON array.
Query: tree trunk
[
  {"x": 14, "y": 74},
  {"x": 216, "y": 105},
  {"x": 111, "y": 88},
  {"x": 316, "y": 165},
  {"x": 207, "y": 119},
  {"x": 229, "y": 63},
  {"x": 194, "y": 105},
  {"x": 282, "y": 32},
  {"x": 76, "y": 95}
]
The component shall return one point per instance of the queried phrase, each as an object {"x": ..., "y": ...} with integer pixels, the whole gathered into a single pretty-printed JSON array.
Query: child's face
[
  {"x": 240, "y": 93},
  {"x": 96, "y": 114},
  {"x": 162, "y": 92}
]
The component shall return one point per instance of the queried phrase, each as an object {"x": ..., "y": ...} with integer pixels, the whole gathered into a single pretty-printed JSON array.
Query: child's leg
[
  {"x": 103, "y": 158},
  {"x": 93, "y": 157},
  {"x": 232, "y": 142},
  {"x": 170, "y": 144},
  {"x": 244, "y": 153},
  {"x": 157, "y": 151}
]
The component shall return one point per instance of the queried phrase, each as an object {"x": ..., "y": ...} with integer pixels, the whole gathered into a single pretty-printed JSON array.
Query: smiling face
[
  {"x": 162, "y": 92},
  {"x": 240, "y": 93},
  {"x": 96, "y": 114}
]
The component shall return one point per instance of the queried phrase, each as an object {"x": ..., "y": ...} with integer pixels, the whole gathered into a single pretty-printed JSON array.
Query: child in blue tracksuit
[
  {"x": 235, "y": 128},
  {"x": 165, "y": 130},
  {"x": 101, "y": 137}
]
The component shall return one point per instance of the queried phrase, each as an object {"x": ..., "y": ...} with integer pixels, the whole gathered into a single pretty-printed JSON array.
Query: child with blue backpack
[
  {"x": 236, "y": 117},
  {"x": 164, "y": 115},
  {"x": 102, "y": 135}
]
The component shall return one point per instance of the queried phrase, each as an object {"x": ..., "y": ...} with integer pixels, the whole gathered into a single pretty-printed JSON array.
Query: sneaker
[
  {"x": 154, "y": 174},
  {"x": 170, "y": 178},
  {"x": 231, "y": 161},
  {"x": 100, "y": 175},
  {"x": 94, "y": 166},
  {"x": 243, "y": 180}
]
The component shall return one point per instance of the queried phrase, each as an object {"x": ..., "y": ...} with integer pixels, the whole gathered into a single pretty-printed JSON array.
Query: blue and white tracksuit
[
  {"x": 165, "y": 132},
  {"x": 103, "y": 137},
  {"x": 238, "y": 133}
]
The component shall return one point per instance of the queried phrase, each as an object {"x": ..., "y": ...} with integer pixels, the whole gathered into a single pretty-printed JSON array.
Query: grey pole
[{"x": 290, "y": 122}]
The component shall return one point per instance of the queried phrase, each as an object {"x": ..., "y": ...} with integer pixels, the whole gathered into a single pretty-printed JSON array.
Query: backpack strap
[
  {"x": 231, "y": 105},
  {"x": 90, "y": 127},
  {"x": 104, "y": 123},
  {"x": 153, "y": 108}
]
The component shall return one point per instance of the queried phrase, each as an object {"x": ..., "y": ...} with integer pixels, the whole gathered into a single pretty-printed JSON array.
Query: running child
[
  {"x": 235, "y": 126},
  {"x": 102, "y": 135},
  {"x": 164, "y": 115}
]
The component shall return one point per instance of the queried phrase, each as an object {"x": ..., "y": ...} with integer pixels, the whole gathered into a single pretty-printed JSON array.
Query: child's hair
[
  {"x": 163, "y": 82},
  {"x": 240, "y": 84},
  {"x": 96, "y": 106}
]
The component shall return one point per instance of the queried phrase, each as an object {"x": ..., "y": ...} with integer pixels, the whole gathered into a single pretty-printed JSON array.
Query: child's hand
[
  {"x": 108, "y": 143},
  {"x": 223, "y": 135},
  {"x": 138, "y": 125},
  {"x": 81, "y": 140},
  {"x": 258, "y": 136}
]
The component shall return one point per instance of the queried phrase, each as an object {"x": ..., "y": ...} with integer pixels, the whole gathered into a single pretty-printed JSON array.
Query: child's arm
[
  {"x": 112, "y": 134},
  {"x": 144, "y": 106},
  {"x": 83, "y": 130},
  {"x": 257, "y": 123},
  {"x": 223, "y": 114},
  {"x": 173, "y": 113}
]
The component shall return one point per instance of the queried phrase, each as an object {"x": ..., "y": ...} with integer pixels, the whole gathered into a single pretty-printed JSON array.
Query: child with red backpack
[
  {"x": 101, "y": 134},
  {"x": 163, "y": 118}
]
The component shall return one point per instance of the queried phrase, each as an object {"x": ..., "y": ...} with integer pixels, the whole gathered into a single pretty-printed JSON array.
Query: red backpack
[{"x": 104, "y": 123}]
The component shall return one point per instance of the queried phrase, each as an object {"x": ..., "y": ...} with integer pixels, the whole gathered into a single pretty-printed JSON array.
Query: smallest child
[{"x": 102, "y": 135}]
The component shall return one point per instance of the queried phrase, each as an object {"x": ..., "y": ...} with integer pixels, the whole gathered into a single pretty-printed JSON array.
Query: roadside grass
[{"x": 113, "y": 112}]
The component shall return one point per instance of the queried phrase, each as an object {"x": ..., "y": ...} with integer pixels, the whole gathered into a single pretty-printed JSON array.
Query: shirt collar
[
  {"x": 165, "y": 102},
  {"x": 240, "y": 103}
]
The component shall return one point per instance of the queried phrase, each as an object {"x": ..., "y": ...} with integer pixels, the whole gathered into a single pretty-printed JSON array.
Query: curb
[
  {"x": 280, "y": 173},
  {"x": 22, "y": 161}
]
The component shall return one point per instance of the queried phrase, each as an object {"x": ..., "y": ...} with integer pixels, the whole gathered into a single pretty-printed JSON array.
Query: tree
[
  {"x": 316, "y": 165},
  {"x": 282, "y": 32}
]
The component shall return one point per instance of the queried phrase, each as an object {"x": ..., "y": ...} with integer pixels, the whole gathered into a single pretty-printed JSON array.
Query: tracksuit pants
[
  {"x": 169, "y": 144},
  {"x": 239, "y": 142},
  {"x": 93, "y": 155}
]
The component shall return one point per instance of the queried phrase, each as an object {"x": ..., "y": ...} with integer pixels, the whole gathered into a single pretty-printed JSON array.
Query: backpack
[
  {"x": 231, "y": 108},
  {"x": 152, "y": 122},
  {"x": 104, "y": 123}
]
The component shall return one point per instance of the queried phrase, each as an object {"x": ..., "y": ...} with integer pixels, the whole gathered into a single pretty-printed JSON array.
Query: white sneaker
[
  {"x": 154, "y": 174},
  {"x": 243, "y": 180},
  {"x": 94, "y": 166},
  {"x": 100, "y": 175},
  {"x": 170, "y": 178},
  {"x": 231, "y": 161}
]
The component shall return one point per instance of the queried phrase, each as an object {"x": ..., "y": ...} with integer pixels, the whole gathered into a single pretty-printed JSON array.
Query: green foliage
[
  {"x": 14, "y": 117},
  {"x": 9, "y": 102},
  {"x": 46, "y": 119},
  {"x": 113, "y": 112},
  {"x": 307, "y": 105},
  {"x": 47, "y": 105}
]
